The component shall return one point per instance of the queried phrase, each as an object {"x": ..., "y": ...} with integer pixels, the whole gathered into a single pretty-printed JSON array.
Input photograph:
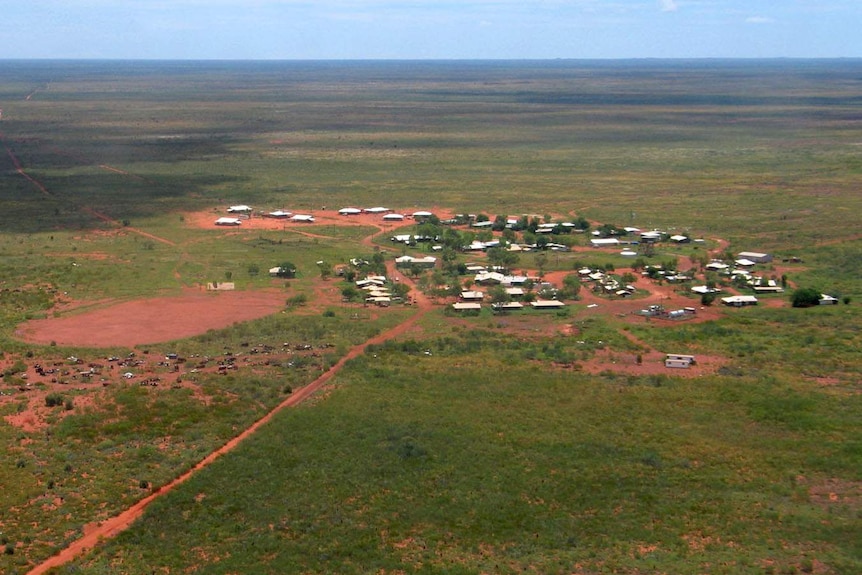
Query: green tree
[
  {"x": 286, "y": 270},
  {"x": 325, "y": 270},
  {"x": 571, "y": 286},
  {"x": 805, "y": 297}
]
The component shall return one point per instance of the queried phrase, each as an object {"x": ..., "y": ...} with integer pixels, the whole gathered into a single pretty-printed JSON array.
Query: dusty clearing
[{"x": 139, "y": 322}]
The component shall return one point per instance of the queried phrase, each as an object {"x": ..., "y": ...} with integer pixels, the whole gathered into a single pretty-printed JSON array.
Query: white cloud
[
  {"x": 759, "y": 20},
  {"x": 669, "y": 5}
]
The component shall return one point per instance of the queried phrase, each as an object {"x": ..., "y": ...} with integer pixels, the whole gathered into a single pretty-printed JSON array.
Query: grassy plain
[{"x": 483, "y": 454}]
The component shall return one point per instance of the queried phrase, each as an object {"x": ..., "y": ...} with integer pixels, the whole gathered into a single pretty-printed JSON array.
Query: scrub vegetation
[{"x": 467, "y": 444}]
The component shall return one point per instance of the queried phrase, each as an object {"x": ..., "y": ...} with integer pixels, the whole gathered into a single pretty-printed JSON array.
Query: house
[
  {"x": 604, "y": 242},
  {"x": 547, "y": 304},
  {"x": 756, "y": 257},
  {"x": 651, "y": 237},
  {"x": 466, "y": 306},
  {"x": 486, "y": 278},
  {"x": 515, "y": 292},
  {"x": 717, "y": 266},
  {"x": 679, "y": 361},
  {"x": 472, "y": 295},
  {"x": 349, "y": 211},
  {"x": 278, "y": 214},
  {"x": 302, "y": 218},
  {"x": 507, "y": 306},
  {"x": 375, "y": 282},
  {"x": 241, "y": 209},
  {"x": 228, "y": 221},
  {"x": 377, "y": 210},
  {"x": 410, "y": 261},
  {"x": 421, "y": 215},
  {"x": 739, "y": 300},
  {"x": 393, "y": 218},
  {"x": 704, "y": 290},
  {"x": 745, "y": 263},
  {"x": 679, "y": 239}
]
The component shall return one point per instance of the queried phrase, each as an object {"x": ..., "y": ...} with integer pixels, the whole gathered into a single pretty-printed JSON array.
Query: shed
[
  {"x": 676, "y": 360},
  {"x": 756, "y": 257}
]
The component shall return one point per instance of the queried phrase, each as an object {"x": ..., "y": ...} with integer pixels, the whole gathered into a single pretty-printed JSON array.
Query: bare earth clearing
[{"x": 138, "y": 322}]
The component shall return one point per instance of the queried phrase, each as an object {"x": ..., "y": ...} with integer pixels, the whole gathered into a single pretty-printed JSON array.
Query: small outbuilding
[{"x": 676, "y": 360}]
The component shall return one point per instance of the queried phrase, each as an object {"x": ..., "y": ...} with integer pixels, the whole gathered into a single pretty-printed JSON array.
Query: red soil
[{"x": 137, "y": 322}]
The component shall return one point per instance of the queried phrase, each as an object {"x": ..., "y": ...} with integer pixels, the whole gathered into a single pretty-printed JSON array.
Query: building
[
  {"x": 675, "y": 360},
  {"x": 756, "y": 257},
  {"x": 410, "y": 261},
  {"x": 228, "y": 222},
  {"x": 302, "y": 218},
  {"x": 604, "y": 242},
  {"x": 739, "y": 300},
  {"x": 466, "y": 306},
  {"x": 547, "y": 304}
]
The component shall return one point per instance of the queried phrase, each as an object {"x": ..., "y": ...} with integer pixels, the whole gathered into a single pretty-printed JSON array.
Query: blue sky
[{"x": 420, "y": 29}]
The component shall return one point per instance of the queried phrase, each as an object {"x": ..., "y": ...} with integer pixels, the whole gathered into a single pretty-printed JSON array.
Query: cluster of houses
[
  {"x": 244, "y": 212},
  {"x": 375, "y": 290},
  {"x": 604, "y": 283},
  {"x": 515, "y": 289}
]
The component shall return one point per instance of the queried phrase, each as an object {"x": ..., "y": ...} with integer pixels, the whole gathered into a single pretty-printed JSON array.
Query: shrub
[
  {"x": 53, "y": 399},
  {"x": 805, "y": 297},
  {"x": 297, "y": 300}
]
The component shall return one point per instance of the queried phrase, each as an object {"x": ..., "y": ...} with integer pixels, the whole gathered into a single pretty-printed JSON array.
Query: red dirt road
[{"x": 138, "y": 322}]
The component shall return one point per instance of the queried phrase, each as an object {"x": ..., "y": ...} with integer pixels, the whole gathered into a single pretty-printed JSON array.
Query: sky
[{"x": 429, "y": 29}]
